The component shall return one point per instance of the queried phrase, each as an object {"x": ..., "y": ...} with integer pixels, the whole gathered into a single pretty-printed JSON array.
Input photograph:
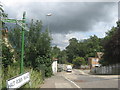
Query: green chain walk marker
[
  {"x": 0, "y": 52},
  {"x": 22, "y": 24}
]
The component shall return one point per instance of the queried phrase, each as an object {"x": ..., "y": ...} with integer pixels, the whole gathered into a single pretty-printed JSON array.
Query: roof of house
[
  {"x": 99, "y": 54},
  {"x": 54, "y": 59}
]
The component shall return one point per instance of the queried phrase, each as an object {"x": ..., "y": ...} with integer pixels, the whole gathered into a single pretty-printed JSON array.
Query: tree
[
  {"x": 14, "y": 36},
  {"x": 62, "y": 58},
  {"x": 109, "y": 35},
  {"x": 84, "y": 48},
  {"x": 78, "y": 61},
  {"x": 6, "y": 56},
  {"x": 72, "y": 49},
  {"x": 93, "y": 45},
  {"x": 55, "y": 52},
  {"x": 60, "y": 55},
  {"x": 2, "y": 13},
  {"x": 38, "y": 48},
  {"x": 112, "y": 46}
]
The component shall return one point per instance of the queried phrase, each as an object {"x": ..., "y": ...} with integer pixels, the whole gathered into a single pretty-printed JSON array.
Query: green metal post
[
  {"x": 0, "y": 51},
  {"x": 22, "y": 52}
]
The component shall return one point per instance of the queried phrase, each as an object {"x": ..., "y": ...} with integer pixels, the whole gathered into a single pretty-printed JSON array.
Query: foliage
[
  {"x": 44, "y": 64},
  {"x": 13, "y": 70},
  {"x": 38, "y": 48},
  {"x": 78, "y": 61},
  {"x": 6, "y": 56},
  {"x": 36, "y": 79},
  {"x": 85, "y": 48},
  {"x": 14, "y": 37},
  {"x": 9, "y": 72},
  {"x": 2, "y": 13},
  {"x": 72, "y": 49},
  {"x": 58, "y": 54},
  {"x": 112, "y": 47},
  {"x": 62, "y": 58},
  {"x": 109, "y": 35},
  {"x": 37, "y": 57},
  {"x": 55, "y": 52}
]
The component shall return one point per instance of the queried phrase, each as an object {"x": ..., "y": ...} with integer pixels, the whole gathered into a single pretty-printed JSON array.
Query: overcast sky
[{"x": 69, "y": 19}]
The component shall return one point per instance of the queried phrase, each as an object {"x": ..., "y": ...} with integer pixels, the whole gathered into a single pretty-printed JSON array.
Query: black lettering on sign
[
  {"x": 19, "y": 80},
  {"x": 11, "y": 84},
  {"x": 25, "y": 77}
]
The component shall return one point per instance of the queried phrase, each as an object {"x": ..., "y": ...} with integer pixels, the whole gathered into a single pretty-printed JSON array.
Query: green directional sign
[
  {"x": 19, "y": 22},
  {"x": 22, "y": 24},
  {"x": 11, "y": 20}
]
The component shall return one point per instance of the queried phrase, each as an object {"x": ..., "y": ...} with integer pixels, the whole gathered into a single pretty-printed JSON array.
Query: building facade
[
  {"x": 54, "y": 66},
  {"x": 94, "y": 61}
]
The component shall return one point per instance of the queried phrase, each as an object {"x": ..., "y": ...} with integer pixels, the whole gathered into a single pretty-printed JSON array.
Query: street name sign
[
  {"x": 19, "y": 22},
  {"x": 17, "y": 82}
]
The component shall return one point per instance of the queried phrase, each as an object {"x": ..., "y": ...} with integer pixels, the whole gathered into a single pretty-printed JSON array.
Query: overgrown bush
[
  {"x": 36, "y": 77},
  {"x": 78, "y": 61},
  {"x": 44, "y": 64},
  {"x": 6, "y": 56}
]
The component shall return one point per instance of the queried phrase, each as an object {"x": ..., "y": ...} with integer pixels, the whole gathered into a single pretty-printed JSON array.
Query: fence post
[
  {"x": 112, "y": 69},
  {"x": 102, "y": 70},
  {"x": 109, "y": 69},
  {"x": 116, "y": 68}
]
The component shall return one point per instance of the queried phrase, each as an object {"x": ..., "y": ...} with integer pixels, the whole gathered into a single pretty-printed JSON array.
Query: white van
[{"x": 69, "y": 68}]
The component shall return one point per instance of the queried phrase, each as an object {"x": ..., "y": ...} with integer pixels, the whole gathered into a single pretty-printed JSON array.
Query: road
[{"x": 79, "y": 79}]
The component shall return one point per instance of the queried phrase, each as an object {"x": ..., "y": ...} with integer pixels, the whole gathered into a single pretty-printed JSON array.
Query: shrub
[{"x": 78, "y": 61}]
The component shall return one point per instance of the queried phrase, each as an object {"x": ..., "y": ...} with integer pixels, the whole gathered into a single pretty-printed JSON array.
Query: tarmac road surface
[{"x": 80, "y": 79}]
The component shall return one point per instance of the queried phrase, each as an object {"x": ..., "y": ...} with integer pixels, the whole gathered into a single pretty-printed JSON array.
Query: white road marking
[{"x": 73, "y": 83}]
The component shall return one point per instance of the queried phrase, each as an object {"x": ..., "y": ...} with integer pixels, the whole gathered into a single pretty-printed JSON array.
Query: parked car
[{"x": 69, "y": 68}]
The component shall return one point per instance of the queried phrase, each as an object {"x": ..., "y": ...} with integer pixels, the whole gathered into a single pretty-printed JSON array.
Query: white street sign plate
[{"x": 19, "y": 81}]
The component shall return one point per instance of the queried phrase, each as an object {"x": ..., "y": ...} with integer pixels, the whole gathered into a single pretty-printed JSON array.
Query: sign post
[
  {"x": 0, "y": 50},
  {"x": 22, "y": 24},
  {"x": 19, "y": 81},
  {"x": 22, "y": 51}
]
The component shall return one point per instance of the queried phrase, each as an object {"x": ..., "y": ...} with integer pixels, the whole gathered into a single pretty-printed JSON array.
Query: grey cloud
[
  {"x": 79, "y": 18},
  {"x": 67, "y": 16}
]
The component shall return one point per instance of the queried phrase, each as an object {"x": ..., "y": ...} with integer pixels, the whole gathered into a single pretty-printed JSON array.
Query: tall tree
[
  {"x": 93, "y": 45},
  {"x": 62, "y": 58},
  {"x": 72, "y": 49},
  {"x": 38, "y": 48},
  {"x": 109, "y": 35},
  {"x": 112, "y": 46},
  {"x": 55, "y": 52}
]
